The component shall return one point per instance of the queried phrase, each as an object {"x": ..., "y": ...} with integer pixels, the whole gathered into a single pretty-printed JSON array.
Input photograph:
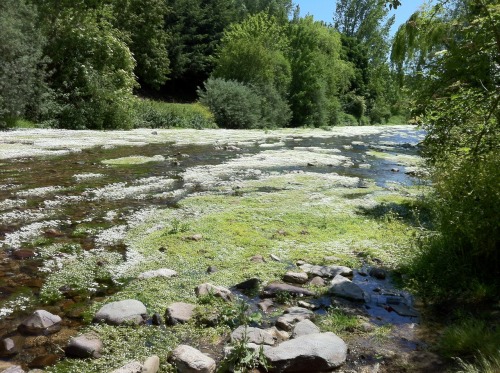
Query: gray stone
[
  {"x": 279, "y": 335},
  {"x": 275, "y": 258},
  {"x": 257, "y": 259},
  {"x": 265, "y": 304},
  {"x": 162, "y": 272},
  {"x": 272, "y": 289},
  {"x": 319, "y": 352},
  {"x": 189, "y": 360},
  {"x": 84, "y": 346},
  {"x": 404, "y": 310},
  {"x": 252, "y": 335},
  {"x": 151, "y": 365},
  {"x": 326, "y": 271},
  {"x": 216, "y": 291},
  {"x": 295, "y": 277},
  {"x": 317, "y": 281},
  {"x": 13, "y": 369},
  {"x": 292, "y": 316},
  {"x": 344, "y": 288},
  {"x": 128, "y": 311},
  {"x": 179, "y": 313},
  {"x": 41, "y": 322},
  {"x": 11, "y": 346},
  {"x": 132, "y": 367},
  {"x": 304, "y": 327},
  {"x": 378, "y": 273}
]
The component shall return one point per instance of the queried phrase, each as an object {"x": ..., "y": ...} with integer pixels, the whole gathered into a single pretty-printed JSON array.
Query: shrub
[
  {"x": 347, "y": 120},
  {"x": 157, "y": 114},
  {"x": 233, "y": 104}
]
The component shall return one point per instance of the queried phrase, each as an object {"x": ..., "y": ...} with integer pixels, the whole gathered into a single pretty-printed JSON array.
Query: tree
[{"x": 22, "y": 86}]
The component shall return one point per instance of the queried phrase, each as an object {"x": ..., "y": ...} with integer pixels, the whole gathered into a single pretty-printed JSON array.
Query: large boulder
[
  {"x": 320, "y": 352},
  {"x": 329, "y": 271},
  {"x": 179, "y": 313},
  {"x": 252, "y": 335},
  {"x": 344, "y": 288},
  {"x": 162, "y": 272},
  {"x": 275, "y": 288},
  {"x": 84, "y": 346},
  {"x": 41, "y": 322},
  {"x": 292, "y": 316},
  {"x": 217, "y": 291},
  {"x": 128, "y": 311},
  {"x": 189, "y": 360}
]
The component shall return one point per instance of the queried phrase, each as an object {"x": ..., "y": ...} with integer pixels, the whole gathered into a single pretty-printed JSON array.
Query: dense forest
[{"x": 254, "y": 64}]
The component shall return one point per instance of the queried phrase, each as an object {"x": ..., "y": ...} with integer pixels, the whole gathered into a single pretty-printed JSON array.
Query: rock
[
  {"x": 43, "y": 361},
  {"x": 344, "y": 288},
  {"x": 23, "y": 254},
  {"x": 292, "y": 316},
  {"x": 11, "y": 346},
  {"x": 253, "y": 335},
  {"x": 12, "y": 369},
  {"x": 257, "y": 259},
  {"x": 216, "y": 291},
  {"x": 162, "y": 272},
  {"x": 272, "y": 289},
  {"x": 53, "y": 233},
  {"x": 275, "y": 258},
  {"x": 84, "y": 346},
  {"x": 194, "y": 237},
  {"x": 250, "y": 284},
  {"x": 128, "y": 311},
  {"x": 132, "y": 367},
  {"x": 319, "y": 352},
  {"x": 304, "y": 327},
  {"x": 295, "y": 277},
  {"x": 156, "y": 319},
  {"x": 367, "y": 327},
  {"x": 189, "y": 360},
  {"x": 378, "y": 273},
  {"x": 326, "y": 271},
  {"x": 151, "y": 365},
  {"x": 404, "y": 310},
  {"x": 279, "y": 335},
  {"x": 211, "y": 269},
  {"x": 266, "y": 304},
  {"x": 394, "y": 169},
  {"x": 41, "y": 322},
  {"x": 331, "y": 259},
  {"x": 307, "y": 305},
  {"x": 179, "y": 313},
  {"x": 317, "y": 281}
]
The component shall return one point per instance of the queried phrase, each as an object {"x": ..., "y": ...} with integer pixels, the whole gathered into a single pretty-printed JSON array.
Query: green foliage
[
  {"x": 244, "y": 359},
  {"x": 157, "y": 114},
  {"x": 338, "y": 322},
  {"x": 483, "y": 364},
  {"x": 23, "y": 92}
]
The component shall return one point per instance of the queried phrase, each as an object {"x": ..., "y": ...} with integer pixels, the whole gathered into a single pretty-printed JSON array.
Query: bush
[
  {"x": 157, "y": 114},
  {"x": 233, "y": 104},
  {"x": 347, "y": 120}
]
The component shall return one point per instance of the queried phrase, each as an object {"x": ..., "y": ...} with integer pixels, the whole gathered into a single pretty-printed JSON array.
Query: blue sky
[{"x": 323, "y": 10}]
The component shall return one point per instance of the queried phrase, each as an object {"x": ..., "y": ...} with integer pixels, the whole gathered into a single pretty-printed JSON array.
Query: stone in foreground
[
  {"x": 151, "y": 365},
  {"x": 13, "y": 369},
  {"x": 304, "y": 327},
  {"x": 295, "y": 277},
  {"x": 41, "y": 322},
  {"x": 11, "y": 346},
  {"x": 132, "y": 367},
  {"x": 273, "y": 289},
  {"x": 344, "y": 288},
  {"x": 189, "y": 360},
  {"x": 311, "y": 353},
  {"x": 179, "y": 313},
  {"x": 292, "y": 316},
  {"x": 253, "y": 335},
  {"x": 128, "y": 311},
  {"x": 326, "y": 271},
  {"x": 162, "y": 272},
  {"x": 84, "y": 346},
  {"x": 216, "y": 291}
]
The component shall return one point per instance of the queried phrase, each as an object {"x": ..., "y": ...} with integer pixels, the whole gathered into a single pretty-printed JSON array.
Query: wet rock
[
  {"x": 151, "y": 365},
  {"x": 295, "y": 277},
  {"x": 257, "y": 259},
  {"x": 317, "y": 281},
  {"x": 394, "y": 169},
  {"x": 12, "y": 369},
  {"x": 128, "y": 311},
  {"x": 43, "y": 361},
  {"x": 156, "y": 319},
  {"x": 41, "y": 322},
  {"x": 292, "y": 316},
  {"x": 319, "y": 352},
  {"x": 344, "y": 288},
  {"x": 249, "y": 285},
  {"x": 272, "y": 289},
  {"x": 84, "y": 346},
  {"x": 266, "y": 304},
  {"x": 378, "y": 273},
  {"x": 232, "y": 148},
  {"x": 216, "y": 291},
  {"x": 11, "y": 346},
  {"x": 304, "y": 327},
  {"x": 275, "y": 258},
  {"x": 189, "y": 360},
  {"x": 252, "y": 335},
  {"x": 179, "y": 313},
  {"x": 24, "y": 254},
  {"x": 132, "y": 367},
  {"x": 162, "y": 272},
  {"x": 326, "y": 271},
  {"x": 404, "y": 310}
]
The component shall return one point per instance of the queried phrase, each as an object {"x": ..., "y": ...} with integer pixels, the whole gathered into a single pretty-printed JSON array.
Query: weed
[
  {"x": 243, "y": 358},
  {"x": 178, "y": 227},
  {"x": 483, "y": 364},
  {"x": 338, "y": 322}
]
